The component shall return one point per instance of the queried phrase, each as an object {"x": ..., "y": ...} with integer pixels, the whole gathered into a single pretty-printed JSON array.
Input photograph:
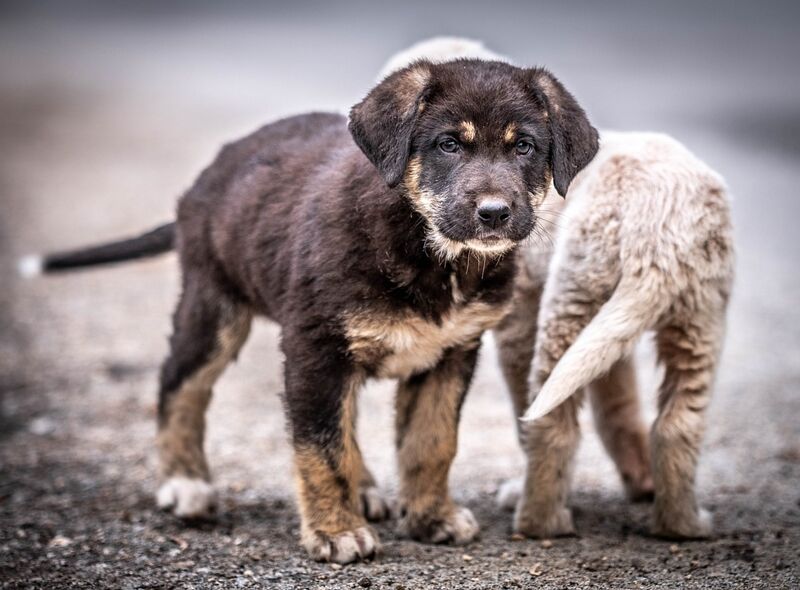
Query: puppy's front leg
[
  {"x": 428, "y": 408},
  {"x": 321, "y": 389}
]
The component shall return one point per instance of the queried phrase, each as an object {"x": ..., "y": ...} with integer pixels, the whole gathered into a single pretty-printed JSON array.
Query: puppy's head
[{"x": 474, "y": 145}]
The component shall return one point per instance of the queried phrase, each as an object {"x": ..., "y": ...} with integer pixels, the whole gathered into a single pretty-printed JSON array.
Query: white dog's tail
[{"x": 635, "y": 305}]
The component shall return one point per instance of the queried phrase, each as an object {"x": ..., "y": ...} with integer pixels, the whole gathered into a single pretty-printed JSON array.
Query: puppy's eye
[
  {"x": 524, "y": 147},
  {"x": 449, "y": 145}
]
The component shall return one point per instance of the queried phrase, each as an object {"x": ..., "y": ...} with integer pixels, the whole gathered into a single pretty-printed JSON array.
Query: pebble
[
  {"x": 183, "y": 565},
  {"x": 42, "y": 426},
  {"x": 60, "y": 541}
]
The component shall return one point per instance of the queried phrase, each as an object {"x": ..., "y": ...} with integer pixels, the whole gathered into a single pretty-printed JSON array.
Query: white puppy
[{"x": 644, "y": 243}]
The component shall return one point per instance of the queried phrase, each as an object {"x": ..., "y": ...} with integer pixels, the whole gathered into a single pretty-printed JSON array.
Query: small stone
[
  {"x": 180, "y": 542},
  {"x": 517, "y": 537},
  {"x": 674, "y": 549},
  {"x": 42, "y": 426},
  {"x": 365, "y": 582},
  {"x": 547, "y": 543},
  {"x": 59, "y": 541},
  {"x": 466, "y": 557},
  {"x": 183, "y": 565},
  {"x": 336, "y": 566},
  {"x": 536, "y": 570}
]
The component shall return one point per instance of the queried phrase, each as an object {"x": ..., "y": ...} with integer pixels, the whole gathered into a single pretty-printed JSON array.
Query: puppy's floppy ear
[
  {"x": 383, "y": 122},
  {"x": 574, "y": 140}
]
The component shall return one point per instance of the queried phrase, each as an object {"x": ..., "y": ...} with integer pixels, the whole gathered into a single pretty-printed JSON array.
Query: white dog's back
[{"x": 645, "y": 224}]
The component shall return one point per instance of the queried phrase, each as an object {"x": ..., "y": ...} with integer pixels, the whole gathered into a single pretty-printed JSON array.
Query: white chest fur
[{"x": 401, "y": 345}]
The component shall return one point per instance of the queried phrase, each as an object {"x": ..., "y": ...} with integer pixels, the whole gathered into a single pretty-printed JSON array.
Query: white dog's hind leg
[
  {"x": 689, "y": 354},
  {"x": 618, "y": 417}
]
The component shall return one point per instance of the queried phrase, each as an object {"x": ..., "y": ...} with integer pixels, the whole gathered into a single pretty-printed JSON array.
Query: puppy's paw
[
  {"x": 373, "y": 504},
  {"x": 344, "y": 547},
  {"x": 187, "y": 497},
  {"x": 509, "y": 492},
  {"x": 457, "y": 526},
  {"x": 692, "y": 526},
  {"x": 557, "y": 523}
]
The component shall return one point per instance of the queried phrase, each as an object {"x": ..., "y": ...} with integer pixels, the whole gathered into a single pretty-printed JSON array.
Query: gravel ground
[{"x": 104, "y": 119}]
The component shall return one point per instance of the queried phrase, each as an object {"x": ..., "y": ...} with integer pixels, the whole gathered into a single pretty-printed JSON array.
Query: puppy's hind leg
[
  {"x": 551, "y": 441},
  {"x": 515, "y": 337},
  {"x": 689, "y": 353},
  {"x": 209, "y": 330},
  {"x": 373, "y": 503},
  {"x": 615, "y": 402}
]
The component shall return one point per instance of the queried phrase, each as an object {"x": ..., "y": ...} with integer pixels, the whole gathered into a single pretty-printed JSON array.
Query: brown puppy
[{"x": 389, "y": 260}]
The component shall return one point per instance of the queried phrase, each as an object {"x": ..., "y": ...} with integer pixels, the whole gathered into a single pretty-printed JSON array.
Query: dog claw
[
  {"x": 186, "y": 497},
  {"x": 699, "y": 527},
  {"x": 557, "y": 524},
  {"x": 458, "y": 527},
  {"x": 343, "y": 548}
]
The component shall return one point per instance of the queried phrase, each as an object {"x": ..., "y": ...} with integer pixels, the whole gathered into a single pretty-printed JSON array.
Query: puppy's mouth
[{"x": 490, "y": 244}]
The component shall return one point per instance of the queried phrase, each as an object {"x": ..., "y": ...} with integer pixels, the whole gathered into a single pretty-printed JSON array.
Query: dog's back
[
  {"x": 250, "y": 213},
  {"x": 672, "y": 208}
]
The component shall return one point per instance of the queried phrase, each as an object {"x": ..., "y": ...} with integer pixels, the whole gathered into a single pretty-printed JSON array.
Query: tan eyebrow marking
[
  {"x": 510, "y": 133},
  {"x": 468, "y": 130}
]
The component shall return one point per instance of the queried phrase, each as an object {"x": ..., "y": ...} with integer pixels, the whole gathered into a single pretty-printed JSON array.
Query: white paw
[
  {"x": 543, "y": 525},
  {"x": 373, "y": 504},
  {"x": 705, "y": 521},
  {"x": 460, "y": 528},
  {"x": 187, "y": 498},
  {"x": 509, "y": 492},
  {"x": 345, "y": 547},
  {"x": 697, "y": 526}
]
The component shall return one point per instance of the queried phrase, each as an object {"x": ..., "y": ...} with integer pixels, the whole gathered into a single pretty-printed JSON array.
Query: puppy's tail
[
  {"x": 155, "y": 241},
  {"x": 635, "y": 305}
]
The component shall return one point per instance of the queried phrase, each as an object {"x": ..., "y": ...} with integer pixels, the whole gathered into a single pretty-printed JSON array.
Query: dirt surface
[{"x": 105, "y": 120}]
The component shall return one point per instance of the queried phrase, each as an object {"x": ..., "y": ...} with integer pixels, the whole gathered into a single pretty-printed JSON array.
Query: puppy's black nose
[{"x": 493, "y": 213}]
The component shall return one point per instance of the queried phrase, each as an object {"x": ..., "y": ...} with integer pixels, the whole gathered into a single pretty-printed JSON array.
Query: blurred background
[{"x": 108, "y": 111}]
